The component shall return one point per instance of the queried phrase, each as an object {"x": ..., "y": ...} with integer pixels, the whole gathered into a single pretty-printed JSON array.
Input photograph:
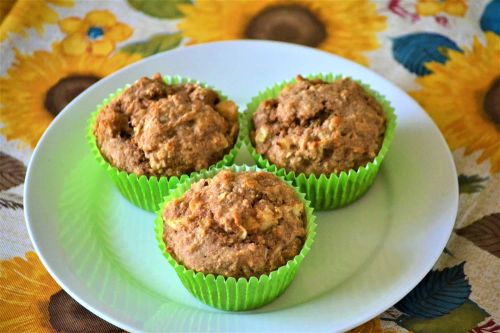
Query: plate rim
[{"x": 102, "y": 314}]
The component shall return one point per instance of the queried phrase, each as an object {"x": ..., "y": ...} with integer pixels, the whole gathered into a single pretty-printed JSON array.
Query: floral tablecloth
[{"x": 445, "y": 53}]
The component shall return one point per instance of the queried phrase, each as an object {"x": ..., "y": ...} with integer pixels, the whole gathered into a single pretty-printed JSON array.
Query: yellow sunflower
[
  {"x": 25, "y": 289},
  {"x": 434, "y": 7},
  {"x": 347, "y": 28},
  {"x": 463, "y": 97},
  {"x": 31, "y": 301},
  {"x": 31, "y": 14},
  {"x": 97, "y": 33},
  {"x": 38, "y": 86}
]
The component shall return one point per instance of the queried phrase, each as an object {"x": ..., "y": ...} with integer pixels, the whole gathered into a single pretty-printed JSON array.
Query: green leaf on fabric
[
  {"x": 484, "y": 233},
  {"x": 462, "y": 319},
  {"x": 414, "y": 50},
  {"x": 471, "y": 184},
  {"x": 12, "y": 172},
  {"x": 439, "y": 293},
  {"x": 155, "y": 44},
  {"x": 158, "y": 8}
]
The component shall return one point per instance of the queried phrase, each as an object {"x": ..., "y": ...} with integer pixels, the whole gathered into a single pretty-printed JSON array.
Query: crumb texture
[
  {"x": 155, "y": 129},
  {"x": 318, "y": 128},
  {"x": 236, "y": 224}
]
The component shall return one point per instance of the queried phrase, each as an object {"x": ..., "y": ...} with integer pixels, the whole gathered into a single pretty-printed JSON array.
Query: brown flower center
[
  {"x": 287, "y": 23},
  {"x": 66, "y": 315},
  {"x": 491, "y": 104},
  {"x": 66, "y": 90}
]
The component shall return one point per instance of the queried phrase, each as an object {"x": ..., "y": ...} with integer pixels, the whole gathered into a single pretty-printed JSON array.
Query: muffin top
[
  {"x": 317, "y": 127},
  {"x": 238, "y": 224},
  {"x": 155, "y": 129}
]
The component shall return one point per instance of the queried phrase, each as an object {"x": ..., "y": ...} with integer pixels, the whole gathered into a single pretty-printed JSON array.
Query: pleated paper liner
[
  {"x": 232, "y": 294},
  {"x": 142, "y": 191},
  {"x": 328, "y": 191}
]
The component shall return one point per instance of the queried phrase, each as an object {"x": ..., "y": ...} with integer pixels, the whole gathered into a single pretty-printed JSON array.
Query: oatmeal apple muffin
[
  {"x": 318, "y": 128},
  {"x": 236, "y": 224},
  {"x": 156, "y": 129}
]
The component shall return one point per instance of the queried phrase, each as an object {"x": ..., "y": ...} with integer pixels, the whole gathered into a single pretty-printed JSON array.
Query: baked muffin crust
[
  {"x": 318, "y": 128},
  {"x": 238, "y": 224},
  {"x": 155, "y": 129}
]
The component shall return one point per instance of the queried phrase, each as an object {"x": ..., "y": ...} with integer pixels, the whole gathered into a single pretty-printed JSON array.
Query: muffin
[
  {"x": 328, "y": 135},
  {"x": 318, "y": 127},
  {"x": 154, "y": 134},
  {"x": 236, "y": 224},
  {"x": 236, "y": 236},
  {"x": 159, "y": 129}
]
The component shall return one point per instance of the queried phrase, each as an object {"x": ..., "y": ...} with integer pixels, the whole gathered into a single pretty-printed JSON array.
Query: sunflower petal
[
  {"x": 425, "y": 8},
  {"x": 102, "y": 47},
  {"x": 62, "y": 3},
  {"x": 455, "y": 8},
  {"x": 75, "y": 44},
  {"x": 119, "y": 32},
  {"x": 101, "y": 18},
  {"x": 70, "y": 24}
]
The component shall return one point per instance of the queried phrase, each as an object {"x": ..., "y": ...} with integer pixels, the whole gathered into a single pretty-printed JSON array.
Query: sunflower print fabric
[
  {"x": 444, "y": 53},
  {"x": 323, "y": 24}
]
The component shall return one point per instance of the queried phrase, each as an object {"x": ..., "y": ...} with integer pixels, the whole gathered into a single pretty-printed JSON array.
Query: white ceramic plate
[{"x": 366, "y": 257}]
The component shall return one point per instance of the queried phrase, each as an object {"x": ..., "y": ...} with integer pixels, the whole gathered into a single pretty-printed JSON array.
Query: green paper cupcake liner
[
  {"x": 328, "y": 191},
  {"x": 142, "y": 191},
  {"x": 232, "y": 294}
]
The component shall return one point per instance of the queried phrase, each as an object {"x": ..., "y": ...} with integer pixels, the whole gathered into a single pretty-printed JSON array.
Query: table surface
[{"x": 445, "y": 54}]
